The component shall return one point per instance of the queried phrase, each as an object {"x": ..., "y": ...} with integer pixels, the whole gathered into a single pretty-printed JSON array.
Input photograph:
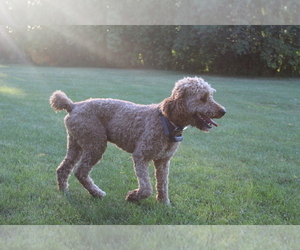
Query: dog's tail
[{"x": 60, "y": 101}]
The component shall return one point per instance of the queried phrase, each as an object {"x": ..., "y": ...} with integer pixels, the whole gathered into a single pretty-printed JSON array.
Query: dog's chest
[{"x": 168, "y": 150}]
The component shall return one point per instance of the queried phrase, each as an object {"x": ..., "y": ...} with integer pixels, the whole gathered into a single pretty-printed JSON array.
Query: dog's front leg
[
  {"x": 162, "y": 175},
  {"x": 145, "y": 188}
]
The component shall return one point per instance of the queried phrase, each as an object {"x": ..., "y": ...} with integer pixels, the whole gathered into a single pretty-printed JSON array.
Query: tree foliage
[
  {"x": 230, "y": 49},
  {"x": 150, "y": 12}
]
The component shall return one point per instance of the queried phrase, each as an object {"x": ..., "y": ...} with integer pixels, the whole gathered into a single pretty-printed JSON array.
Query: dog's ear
[
  {"x": 167, "y": 107},
  {"x": 173, "y": 108}
]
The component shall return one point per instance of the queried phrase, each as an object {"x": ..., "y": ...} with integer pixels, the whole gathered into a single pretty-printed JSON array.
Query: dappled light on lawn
[{"x": 11, "y": 91}]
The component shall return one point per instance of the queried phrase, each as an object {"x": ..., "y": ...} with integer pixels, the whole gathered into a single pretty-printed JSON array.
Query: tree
[{"x": 231, "y": 49}]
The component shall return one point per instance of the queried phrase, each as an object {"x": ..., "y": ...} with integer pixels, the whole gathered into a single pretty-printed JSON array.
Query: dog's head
[{"x": 192, "y": 103}]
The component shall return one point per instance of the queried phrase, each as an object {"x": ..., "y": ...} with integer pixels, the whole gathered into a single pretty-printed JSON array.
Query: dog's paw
[
  {"x": 133, "y": 195},
  {"x": 164, "y": 202},
  {"x": 98, "y": 193},
  {"x": 137, "y": 194},
  {"x": 63, "y": 186}
]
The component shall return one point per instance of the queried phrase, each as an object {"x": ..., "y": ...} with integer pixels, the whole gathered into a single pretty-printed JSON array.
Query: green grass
[{"x": 246, "y": 171}]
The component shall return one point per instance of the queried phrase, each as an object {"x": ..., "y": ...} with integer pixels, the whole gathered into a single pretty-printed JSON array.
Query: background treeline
[
  {"x": 149, "y": 12},
  {"x": 230, "y": 49}
]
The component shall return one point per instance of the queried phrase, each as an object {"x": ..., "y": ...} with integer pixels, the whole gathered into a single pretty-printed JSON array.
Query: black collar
[{"x": 167, "y": 124}]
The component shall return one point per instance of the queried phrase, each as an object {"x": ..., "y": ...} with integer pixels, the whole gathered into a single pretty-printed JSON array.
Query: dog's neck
[{"x": 171, "y": 129}]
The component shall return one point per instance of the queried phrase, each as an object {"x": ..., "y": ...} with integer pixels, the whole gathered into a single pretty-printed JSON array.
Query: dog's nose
[{"x": 222, "y": 112}]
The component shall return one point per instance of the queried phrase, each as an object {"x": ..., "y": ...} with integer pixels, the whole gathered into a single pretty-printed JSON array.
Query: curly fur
[{"x": 135, "y": 128}]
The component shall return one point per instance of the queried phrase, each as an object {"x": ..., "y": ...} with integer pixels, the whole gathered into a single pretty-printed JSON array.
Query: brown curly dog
[{"x": 149, "y": 132}]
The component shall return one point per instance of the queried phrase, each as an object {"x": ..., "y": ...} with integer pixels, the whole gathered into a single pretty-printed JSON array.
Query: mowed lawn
[{"x": 246, "y": 171}]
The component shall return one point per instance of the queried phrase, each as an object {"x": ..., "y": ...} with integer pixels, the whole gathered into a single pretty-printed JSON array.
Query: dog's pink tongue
[{"x": 211, "y": 121}]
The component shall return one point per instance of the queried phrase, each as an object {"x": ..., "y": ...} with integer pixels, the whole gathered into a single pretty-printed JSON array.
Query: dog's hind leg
[
  {"x": 65, "y": 168},
  {"x": 88, "y": 160},
  {"x": 94, "y": 145}
]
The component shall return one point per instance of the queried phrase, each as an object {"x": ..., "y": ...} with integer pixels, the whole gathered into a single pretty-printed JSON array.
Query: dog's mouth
[{"x": 203, "y": 122}]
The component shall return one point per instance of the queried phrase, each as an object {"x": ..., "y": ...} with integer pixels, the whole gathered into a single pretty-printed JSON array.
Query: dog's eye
[{"x": 204, "y": 98}]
